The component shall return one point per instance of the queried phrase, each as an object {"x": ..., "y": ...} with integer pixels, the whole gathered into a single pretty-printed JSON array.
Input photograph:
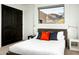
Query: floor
[
  {"x": 5, "y": 49},
  {"x": 69, "y": 52}
]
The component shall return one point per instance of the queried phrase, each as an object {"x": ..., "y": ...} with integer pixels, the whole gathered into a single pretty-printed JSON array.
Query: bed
[{"x": 37, "y": 47}]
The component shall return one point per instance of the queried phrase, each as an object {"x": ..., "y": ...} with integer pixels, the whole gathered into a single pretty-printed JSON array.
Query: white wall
[
  {"x": 30, "y": 19},
  {"x": 71, "y": 12},
  {"x": 77, "y": 15},
  {"x": 70, "y": 19},
  {"x": 52, "y": 26},
  {"x": 27, "y": 18},
  {"x": 0, "y": 25}
]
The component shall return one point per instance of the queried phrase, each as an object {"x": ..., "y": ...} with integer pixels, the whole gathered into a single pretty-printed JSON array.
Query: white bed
[{"x": 39, "y": 47}]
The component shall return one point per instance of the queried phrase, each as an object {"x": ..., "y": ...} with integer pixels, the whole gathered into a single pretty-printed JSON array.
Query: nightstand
[
  {"x": 31, "y": 36},
  {"x": 74, "y": 44}
]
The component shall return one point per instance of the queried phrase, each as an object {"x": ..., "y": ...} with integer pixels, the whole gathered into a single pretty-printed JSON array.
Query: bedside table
[
  {"x": 74, "y": 44},
  {"x": 31, "y": 36}
]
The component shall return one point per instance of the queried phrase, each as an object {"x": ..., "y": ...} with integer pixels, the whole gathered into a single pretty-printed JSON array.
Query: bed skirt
[{"x": 11, "y": 53}]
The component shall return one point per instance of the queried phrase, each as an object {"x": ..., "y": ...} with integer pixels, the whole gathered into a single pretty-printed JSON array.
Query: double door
[{"x": 11, "y": 25}]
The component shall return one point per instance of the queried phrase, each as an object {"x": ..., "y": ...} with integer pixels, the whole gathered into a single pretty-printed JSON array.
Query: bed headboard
[{"x": 55, "y": 30}]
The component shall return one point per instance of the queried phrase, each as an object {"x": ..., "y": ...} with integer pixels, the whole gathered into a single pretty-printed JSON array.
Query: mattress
[{"x": 38, "y": 47}]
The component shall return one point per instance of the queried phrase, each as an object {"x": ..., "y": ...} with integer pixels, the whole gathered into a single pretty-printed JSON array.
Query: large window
[{"x": 51, "y": 14}]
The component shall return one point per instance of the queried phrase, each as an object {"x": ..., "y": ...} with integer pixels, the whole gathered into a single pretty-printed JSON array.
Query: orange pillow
[{"x": 45, "y": 36}]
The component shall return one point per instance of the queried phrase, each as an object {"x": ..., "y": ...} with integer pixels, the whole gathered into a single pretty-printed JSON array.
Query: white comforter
[{"x": 39, "y": 47}]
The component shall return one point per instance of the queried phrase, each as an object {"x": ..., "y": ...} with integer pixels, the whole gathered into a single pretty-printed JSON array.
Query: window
[{"x": 51, "y": 14}]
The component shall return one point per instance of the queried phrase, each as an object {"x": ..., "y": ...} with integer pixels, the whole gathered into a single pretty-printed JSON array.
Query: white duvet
[{"x": 39, "y": 47}]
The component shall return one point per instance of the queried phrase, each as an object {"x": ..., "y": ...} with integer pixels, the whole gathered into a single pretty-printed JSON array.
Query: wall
[
  {"x": 71, "y": 13},
  {"x": 27, "y": 18},
  {"x": 70, "y": 20},
  {"x": 0, "y": 25},
  {"x": 30, "y": 19},
  {"x": 77, "y": 15},
  {"x": 52, "y": 26}
]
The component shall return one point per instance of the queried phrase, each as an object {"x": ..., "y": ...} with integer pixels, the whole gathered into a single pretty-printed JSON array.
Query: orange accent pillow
[{"x": 45, "y": 36}]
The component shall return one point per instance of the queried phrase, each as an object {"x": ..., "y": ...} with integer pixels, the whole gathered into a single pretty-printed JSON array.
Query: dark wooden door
[{"x": 11, "y": 25}]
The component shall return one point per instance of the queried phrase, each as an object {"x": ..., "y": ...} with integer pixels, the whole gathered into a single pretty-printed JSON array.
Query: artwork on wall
[{"x": 51, "y": 14}]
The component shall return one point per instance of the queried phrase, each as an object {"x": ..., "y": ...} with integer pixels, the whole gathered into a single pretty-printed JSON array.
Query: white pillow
[{"x": 60, "y": 35}]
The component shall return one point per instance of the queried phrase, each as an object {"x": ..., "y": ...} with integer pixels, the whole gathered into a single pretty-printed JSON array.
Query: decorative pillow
[
  {"x": 39, "y": 35},
  {"x": 45, "y": 36},
  {"x": 60, "y": 35},
  {"x": 53, "y": 36}
]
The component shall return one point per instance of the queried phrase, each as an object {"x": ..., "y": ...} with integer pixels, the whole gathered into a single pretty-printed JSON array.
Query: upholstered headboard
[{"x": 55, "y": 30}]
